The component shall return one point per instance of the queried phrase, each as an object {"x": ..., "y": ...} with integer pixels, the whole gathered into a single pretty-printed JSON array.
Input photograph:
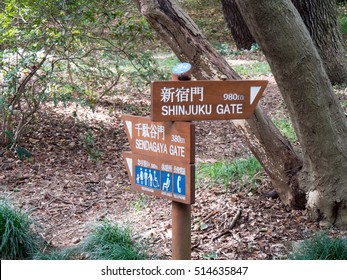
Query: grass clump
[
  {"x": 108, "y": 241},
  {"x": 321, "y": 247},
  {"x": 17, "y": 239},
  {"x": 245, "y": 172}
]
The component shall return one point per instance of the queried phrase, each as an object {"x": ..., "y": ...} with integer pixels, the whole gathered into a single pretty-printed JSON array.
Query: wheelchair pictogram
[{"x": 155, "y": 179}]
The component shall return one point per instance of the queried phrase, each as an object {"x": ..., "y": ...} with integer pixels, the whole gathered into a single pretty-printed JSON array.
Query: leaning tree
[{"x": 317, "y": 116}]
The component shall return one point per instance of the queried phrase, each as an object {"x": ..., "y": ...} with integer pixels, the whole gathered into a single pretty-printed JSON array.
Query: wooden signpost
[
  {"x": 163, "y": 152},
  {"x": 162, "y": 164},
  {"x": 162, "y": 157},
  {"x": 205, "y": 100}
]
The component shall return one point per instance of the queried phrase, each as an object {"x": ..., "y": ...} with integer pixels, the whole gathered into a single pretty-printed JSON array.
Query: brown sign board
[
  {"x": 166, "y": 140},
  {"x": 205, "y": 100},
  {"x": 160, "y": 177}
]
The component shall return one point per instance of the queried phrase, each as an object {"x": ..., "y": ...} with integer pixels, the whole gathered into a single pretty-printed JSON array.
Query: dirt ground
[{"x": 66, "y": 192}]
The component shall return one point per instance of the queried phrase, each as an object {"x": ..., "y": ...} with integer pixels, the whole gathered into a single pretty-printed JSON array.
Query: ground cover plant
[
  {"x": 321, "y": 247},
  {"x": 17, "y": 239},
  {"x": 109, "y": 241},
  {"x": 237, "y": 175}
]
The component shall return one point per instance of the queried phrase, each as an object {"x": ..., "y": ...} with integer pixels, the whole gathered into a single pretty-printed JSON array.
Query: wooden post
[
  {"x": 181, "y": 213},
  {"x": 181, "y": 231}
]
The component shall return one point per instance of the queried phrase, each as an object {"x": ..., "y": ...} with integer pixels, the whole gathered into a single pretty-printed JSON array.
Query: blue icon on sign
[
  {"x": 139, "y": 175},
  {"x": 179, "y": 184},
  {"x": 166, "y": 181},
  {"x": 154, "y": 180},
  {"x": 147, "y": 177}
]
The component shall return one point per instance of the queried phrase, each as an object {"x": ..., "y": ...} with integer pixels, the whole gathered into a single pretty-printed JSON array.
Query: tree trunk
[
  {"x": 238, "y": 28},
  {"x": 317, "y": 116},
  {"x": 320, "y": 17},
  {"x": 274, "y": 152}
]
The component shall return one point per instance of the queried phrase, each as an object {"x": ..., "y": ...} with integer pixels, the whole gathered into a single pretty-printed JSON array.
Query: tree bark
[
  {"x": 273, "y": 151},
  {"x": 317, "y": 116},
  {"x": 320, "y": 17},
  {"x": 238, "y": 28}
]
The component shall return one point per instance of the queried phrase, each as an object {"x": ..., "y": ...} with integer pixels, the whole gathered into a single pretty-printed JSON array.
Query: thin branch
[
  {"x": 230, "y": 227},
  {"x": 26, "y": 80}
]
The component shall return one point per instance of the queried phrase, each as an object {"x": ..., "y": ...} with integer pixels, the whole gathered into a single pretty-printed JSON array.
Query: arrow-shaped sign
[
  {"x": 205, "y": 100},
  {"x": 170, "y": 140}
]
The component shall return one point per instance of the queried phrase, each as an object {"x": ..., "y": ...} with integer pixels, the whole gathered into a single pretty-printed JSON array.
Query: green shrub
[
  {"x": 17, "y": 240},
  {"x": 108, "y": 241},
  {"x": 81, "y": 56},
  {"x": 321, "y": 247}
]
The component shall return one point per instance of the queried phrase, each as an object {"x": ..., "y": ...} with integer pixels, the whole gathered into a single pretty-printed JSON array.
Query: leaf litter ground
[{"x": 67, "y": 193}]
